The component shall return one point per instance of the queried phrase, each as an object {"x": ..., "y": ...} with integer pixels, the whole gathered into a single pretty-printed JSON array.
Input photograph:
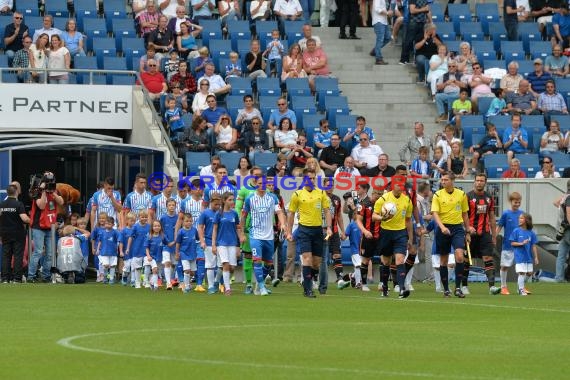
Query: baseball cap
[{"x": 538, "y": 60}]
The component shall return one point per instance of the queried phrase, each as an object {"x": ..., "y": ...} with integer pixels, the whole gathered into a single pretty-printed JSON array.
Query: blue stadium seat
[
  {"x": 341, "y": 122},
  {"x": 512, "y": 51},
  {"x": 534, "y": 125},
  {"x": 529, "y": 163},
  {"x": 303, "y": 105},
  {"x": 483, "y": 104},
  {"x": 98, "y": 79},
  {"x": 121, "y": 28},
  {"x": 28, "y": 8},
  {"x": 132, "y": 47},
  {"x": 86, "y": 62},
  {"x": 243, "y": 47},
  {"x": 56, "y": 8},
  {"x": 498, "y": 33},
  {"x": 528, "y": 31},
  {"x": 195, "y": 161},
  {"x": 325, "y": 87},
  {"x": 471, "y": 31},
  {"x": 453, "y": 46},
  {"x": 220, "y": 49},
  {"x": 491, "y": 63},
  {"x": 335, "y": 105},
  {"x": 563, "y": 120},
  {"x": 312, "y": 121},
  {"x": 33, "y": 23},
  {"x": 293, "y": 31},
  {"x": 94, "y": 28},
  {"x": 561, "y": 161},
  {"x": 459, "y": 13},
  {"x": 267, "y": 104},
  {"x": 484, "y": 50},
  {"x": 103, "y": 47},
  {"x": 268, "y": 86},
  {"x": 563, "y": 86},
  {"x": 240, "y": 86},
  {"x": 472, "y": 121},
  {"x": 265, "y": 160},
  {"x": 4, "y": 61},
  {"x": 525, "y": 67},
  {"x": 263, "y": 30},
  {"x": 84, "y": 9},
  {"x": 502, "y": 122},
  {"x": 2, "y": 29},
  {"x": 114, "y": 63},
  {"x": 310, "y": 134},
  {"x": 212, "y": 30},
  {"x": 437, "y": 14},
  {"x": 540, "y": 49},
  {"x": 469, "y": 133},
  {"x": 445, "y": 31},
  {"x": 230, "y": 160},
  {"x": 8, "y": 77},
  {"x": 486, "y": 13},
  {"x": 114, "y": 9},
  {"x": 233, "y": 104},
  {"x": 495, "y": 164},
  {"x": 238, "y": 30},
  {"x": 297, "y": 87},
  {"x": 122, "y": 80}
]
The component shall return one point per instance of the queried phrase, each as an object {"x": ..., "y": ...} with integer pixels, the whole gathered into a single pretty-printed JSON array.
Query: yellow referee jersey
[
  {"x": 450, "y": 206},
  {"x": 404, "y": 209},
  {"x": 309, "y": 204}
]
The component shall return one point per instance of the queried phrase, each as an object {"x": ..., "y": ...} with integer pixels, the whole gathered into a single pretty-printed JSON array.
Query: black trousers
[
  {"x": 12, "y": 248},
  {"x": 349, "y": 16},
  {"x": 413, "y": 31}
]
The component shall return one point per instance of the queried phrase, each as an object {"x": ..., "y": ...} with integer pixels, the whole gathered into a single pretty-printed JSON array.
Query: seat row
[
  {"x": 496, "y": 164},
  {"x": 195, "y": 161}
]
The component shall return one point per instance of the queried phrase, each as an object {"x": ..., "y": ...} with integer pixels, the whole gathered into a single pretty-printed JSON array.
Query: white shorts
[
  {"x": 210, "y": 258},
  {"x": 110, "y": 261},
  {"x": 435, "y": 263},
  {"x": 227, "y": 255},
  {"x": 150, "y": 263},
  {"x": 356, "y": 260},
  {"x": 523, "y": 268},
  {"x": 507, "y": 258},
  {"x": 137, "y": 262},
  {"x": 127, "y": 265},
  {"x": 544, "y": 20},
  {"x": 189, "y": 265},
  {"x": 168, "y": 257}
]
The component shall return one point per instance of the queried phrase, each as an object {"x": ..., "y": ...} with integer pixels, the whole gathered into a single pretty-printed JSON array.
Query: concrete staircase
[{"x": 387, "y": 96}]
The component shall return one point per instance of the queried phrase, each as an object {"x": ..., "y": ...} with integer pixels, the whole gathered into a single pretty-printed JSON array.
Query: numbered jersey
[
  {"x": 69, "y": 256},
  {"x": 481, "y": 206}
]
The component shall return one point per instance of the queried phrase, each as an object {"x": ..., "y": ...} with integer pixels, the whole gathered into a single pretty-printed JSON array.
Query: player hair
[
  {"x": 110, "y": 220},
  {"x": 449, "y": 174},
  {"x": 423, "y": 149},
  {"x": 309, "y": 170},
  {"x": 527, "y": 220},
  {"x": 423, "y": 186},
  {"x": 196, "y": 184},
  {"x": 131, "y": 215},
  {"x": 221, "y": 166},
  {"x": 481, "y": 174},
  {"x": 364, "y": 186},
  {"x": 11, "y": 190},
  {"x": 187, "y": 216},
  {"x": 109, "y": 181},
  {"x": 515, "y": 195},
  {"x": 143, "y": 213},
  {"x": 170, "y": 200}
]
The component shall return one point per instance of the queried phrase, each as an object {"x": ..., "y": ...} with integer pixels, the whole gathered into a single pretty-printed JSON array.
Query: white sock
[
  {"x": 167, "y": 275},
  {"x": 409, "y": 277},
  {"x": 187, "y": 280},
  {"x": 437, "y": 279},
  {"x": 357, "y": 276},
  {"x": 146, "y": 274},
  {"x": 227, "y": 282},
  {"x": 218, "y": 275},
  {"x": 137, "y": 277},
  {"x": 154, "y": 279},
  {"x": 504, "y": 278},
  {"x": 528, "y": 278},
  {"x": 101, "y": 268},
  {"x": 210, "y": 277},
  {"x": 112, "y": 274},
  {"x": 521, "y": 281},
  {"x": 105, "y": 273}
]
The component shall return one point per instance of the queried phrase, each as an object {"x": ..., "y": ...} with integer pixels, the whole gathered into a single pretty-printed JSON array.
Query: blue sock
[
  {"x": 444, "y": 274},
  {"x": 258, "y": 272},
  {"x": 401, "y": 274},
  {"x": 180, "y": 271},
  {"x": 200, "y": 271}
]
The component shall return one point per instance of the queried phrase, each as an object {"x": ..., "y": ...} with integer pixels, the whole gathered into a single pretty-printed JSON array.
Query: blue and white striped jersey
[{"x": 262, "y": 213}]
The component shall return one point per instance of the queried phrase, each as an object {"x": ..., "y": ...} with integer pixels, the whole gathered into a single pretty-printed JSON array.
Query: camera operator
[
  {"x": 43, "y": 216},
  {"x": 13, "y": 235}
]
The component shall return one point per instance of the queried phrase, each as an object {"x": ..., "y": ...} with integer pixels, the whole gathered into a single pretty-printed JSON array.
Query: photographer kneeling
[{"x": 43, "y": 216}]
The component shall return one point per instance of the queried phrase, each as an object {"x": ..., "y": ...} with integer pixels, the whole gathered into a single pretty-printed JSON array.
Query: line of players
[{"x": 147, "y": 245}]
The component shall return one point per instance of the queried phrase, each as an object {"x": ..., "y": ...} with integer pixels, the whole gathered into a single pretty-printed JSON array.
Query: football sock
[
  {"x": 444, "y": 274},
  {"x": 458, "y": 274},
  {"x": 490, "y": 272},
  {"x": 337, "y": 265},
  {"x": 227, "y": 282},
  {"x": 187, "y": 280},
  {"x": 307, "y": 278},
  {"x": 112, "y": 274},
  {"x": 357, "y": 276},
  {"x": 219, "y": 274},
  {"x": 437, "y": 279},
  {"x": 503, "y": 278},
  {"x": 384, "y": 274},
  {"x": 401, "y": 273},
  {"x": 410, "y": 260},
  {"x": 394, "y": 271},
  {"x": 137, "y": 277},
  {"x": 200, "y": 271},
  {"x": 179, "y": 271},
  {"x": 409, "y": 278},
  {"x": 258, "y": 270},
  {"x": 210, "y": 276},
  {"x": 364, "y": 272},
  {"x": 521, "y": 281},
  {"x": 315, "y": 273},
  {"x": 466, "y": 268},
  {"x": 154, "y": 279},
  {"x": 167, "y": 275},
  {"x": 146, "y": 274},
  {"x": 248, "y": 270}
]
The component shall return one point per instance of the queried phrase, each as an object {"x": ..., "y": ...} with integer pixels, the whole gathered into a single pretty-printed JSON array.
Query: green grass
[{"x": 137, "y": 334}]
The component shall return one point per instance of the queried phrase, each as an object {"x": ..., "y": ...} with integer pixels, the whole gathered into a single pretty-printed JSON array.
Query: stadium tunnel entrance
[{"x": 76, "y": 158}]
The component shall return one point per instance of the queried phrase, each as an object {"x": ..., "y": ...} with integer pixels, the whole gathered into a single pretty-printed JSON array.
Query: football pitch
[{"x": 96, "y": 331}]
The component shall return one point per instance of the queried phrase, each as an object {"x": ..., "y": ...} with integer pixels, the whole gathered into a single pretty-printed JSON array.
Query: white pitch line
[{"x": 68, "y": 343}]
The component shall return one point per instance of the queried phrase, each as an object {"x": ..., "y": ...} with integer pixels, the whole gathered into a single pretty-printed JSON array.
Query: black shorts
[
  {"x": 310, "y": 239},
  {"x": 456, "y": 239},
  {"x": 334, "y": 243},
  {"x": 392, "y": 242},
  {"x": 370, "y": 248},
  {"x": 481, "y": 245}
]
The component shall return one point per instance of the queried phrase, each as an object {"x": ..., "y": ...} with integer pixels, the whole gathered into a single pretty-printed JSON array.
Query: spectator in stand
[
  {"x": 346, "y": 170},
  {"x": 480, "y": 85},
  {"x": 175, "y": 23},
  {"x": 490, "y": 144},
  {"x": 510, "y": 82},
  {"x": 209, "y": 170},
  {"x": 315, "y": 63},
  {"x": 414, "y": 143},
  {"x": 213, "y": 113},
  {"x": 286, "y": 10},
  {"x": 260, "y": 10},
  {"x": 354, "y": 134},
  {"x": 22, "y": 60},
  {"x": 229, "y": 10},
  {"x": 254, "y": 61},
  {"x": 233, "y": 68},
  {"x": 153, "y": 80},
  {"x": 557, "y": 64},
  {"x": 202, "y": 9},
  {"x": 256, "y": 140},
  {"x": 280, "y": 169},
  {"x": 561, "y": 28},
  {"x": 438, "y": 66},
  {"x": 244, "y": 167},
  {"x": 498, "y": 105},
  {"x": 366, "y": 155},
  {"x": 186, "y": 40},
  {"x": 281, "y": 112},
  {"x": 383, "y": 169},
  {"x": 552, "y": 140},
  {"x": 307, "y": 34},
  {"x": 456, "y": 161},
  {"x": 418, "y": 12},
  {"x": 448, "y": 86},
  {"x": 421, "y": 166},
  {"x": 515, "y": 138},
  {"x": 301, "y": 153},
  {"x": 161, "y": 38},
  {"x": 246, "y": 114},
  {"x": 39, "y": 57},
  {"x": 59, "y": 58},
  {"x": 72, "y": 39},
  {"x": 148, "y": 20},
  {"x": 444, "y": 140},
  {"x": 6, "y": 7},
  {"x": 334, "y": 156},
  {"x": 273, "y": 55},
  {"x": 461, "y": 107},
  {"x": 202, "y": 60},
  {"x": 293, "y": 64},
  {"x": 323, "y": 136},
  {"x": 548, "y": 170},
  {"x": 195, "y": 137},
  {"x": 184, "y": 79},
  {"x": 14, "y": 34},
  {"x": 170, "y": 8},
  {"x": 175, "y": 90},
  {"x": 522, "y": 101},
  {"x": 543, "y": 10},
  {"x": 514, "y": 170},
  {"x": 217, "y": 84},
  {"x": 538, "y": 78},
  {"x": 285, "y": 137},
  {"x": 226, "y": 135},
  {"x": 466, "y": 59},
  {"x": 551, "y": 102},
  {"x": 47, "y": 28},
  {"x": 380, "y": 14},
  {"x": 150, "y": 54},
  {"x": 138, "y": 7},
  {"x": 510, "y": 18},
  {"x": 426, "y": 48},
  {"x": 313, "y": 164}
]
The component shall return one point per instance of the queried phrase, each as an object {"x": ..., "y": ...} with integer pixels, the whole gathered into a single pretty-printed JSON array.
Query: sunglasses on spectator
[
  {"x": 151, "y": 65},
  {"x": 204, "y": 84},
  {"x": 547, "y": 162},
  {"x": 363, "y": 139},
  {"x": 281, "y": 104},
  {"x": 255, "y": 123},
  {"x": 18, "y": 17}
]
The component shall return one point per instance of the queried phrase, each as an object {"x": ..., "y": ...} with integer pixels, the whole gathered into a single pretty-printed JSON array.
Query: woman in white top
[
  {"x": 243, "y": 168},
  {"x": 260, "y": 10},
  {"x": 226, "y": 135},
  {"x": 59, "y": 58},
  {"x": 437, "y": 67},
  {"x": 229, "y": 10},
  {"x": 285, "y": 137},
  {"x": 444, "y": 140},
  {"x": 139, "y": 6},
  {"x": 199, "y": 103},
  {"x": 39, "y": 57},
  {"x": 547, "y": 169}
]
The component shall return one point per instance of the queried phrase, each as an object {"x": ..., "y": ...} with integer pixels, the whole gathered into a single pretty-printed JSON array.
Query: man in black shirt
[
  {"x": 13, "y": 235},
  {"x": 332, "y": 157},
  {"x": 161, "y": 38},
  {"x": 425, "y": 48},
  {"x": 14, "y": 34}
]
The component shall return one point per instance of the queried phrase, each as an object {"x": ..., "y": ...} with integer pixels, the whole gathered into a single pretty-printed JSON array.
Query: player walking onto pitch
[
  {"x": 509, "y": 220},
  {"x": 524, "y": 240},
  {"x": 186, "y": 250},
  {"x": 483, "y": 231},
  {"x": 309, "y": 201},
  {"x": 370, "y": 230},
  {"x": 396, "y": 237},
  {"x": 449, "y": 208},
  {"x": 262, "y": 207}
]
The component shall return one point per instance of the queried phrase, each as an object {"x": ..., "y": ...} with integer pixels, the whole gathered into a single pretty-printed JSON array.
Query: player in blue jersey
[
  {"x": 125, "y": 234},
  {"x": 168, "y": 222},
  {"x": 354, "y": 235},
  {"x": 97, "y": 229},
  {"x": 107, "y": 200},
  {"x": 154, "y": 245},
  {"x": 509, "y": 221},
  {"x": 158, "y": 202},
  {"x": 83, "y": 235},
  {"x": 107, "y": 244},
  {"x": 136, "y": 247},
  {"x": 220, "y": 185},
  {"x": 205, "y": 230},
  {"x": 226, "y": 237},
  {"x": 523, "y": 240},
  {"x": 262, "y": 207},
  {"x": 186, "y": 250},
  {"x": 139, "y": 199}
]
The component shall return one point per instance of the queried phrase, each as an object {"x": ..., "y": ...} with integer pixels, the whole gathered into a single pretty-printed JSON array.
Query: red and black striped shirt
[
  {"x": 365, "y": 210},
  {"x": 480, "y": 207}
]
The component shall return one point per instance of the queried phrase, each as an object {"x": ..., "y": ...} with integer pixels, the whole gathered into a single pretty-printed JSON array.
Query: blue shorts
[
  {"x": 392, "y": 242},
  {"x": 262, "y": 249},
  {"x": 310, "y": 239},
  {"x": 456, "y": 238}
]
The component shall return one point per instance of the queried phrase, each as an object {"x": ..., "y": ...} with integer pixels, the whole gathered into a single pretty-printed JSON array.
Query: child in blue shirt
[
  {"x": 83, "y": 235},
  {"x": 94, "y": 239},
  {"x": 136, "y": 247},
  {"x": 205, "y": 232},
  {"x": 273, "y": 52},
  {"x": 421, "y": 165},
  {"x": 107, "y": 244},
  {"x": 523, "y": 240},
  {"x": 498, "y": 105},
  {"x": 186, "y": 250},
  {"x": 154, "y": 244},
  {"x": 125, "y": 234},
  {"x": 173, "y": 116},
  {"x": 509, "y": 221},
  {"x": 168, "y": 223},
  {"x": 233, "y": 69},
  {"x": 354, "y": 235}
]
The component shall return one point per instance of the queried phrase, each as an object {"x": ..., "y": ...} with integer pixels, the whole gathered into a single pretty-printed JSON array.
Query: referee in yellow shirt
[
  {"x": 450, "y": 209},
  {"x": 309, "y": 202},
  {"x": 396, "y": 237}
]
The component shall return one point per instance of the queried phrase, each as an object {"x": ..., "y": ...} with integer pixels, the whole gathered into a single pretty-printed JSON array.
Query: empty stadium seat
[
  {"x": 498, "y": 33},
  {"x": 336, "y": 105},
  {"x": 230, "y": 160},
  {"x": 495, "y": 164},
  {"x": 195, "y": 161},
  {"x": 87, "y": 63},
  {"x": 459, "y": 13},
  {"x": 220, "y": 49},
  {"x": 471, "y": 31},
  {"x": 297, "y": 87},
  {"x": 122, "y": 80},
  {"x": 303, "y": 105},
  {"x": 540, "y": 49},
  {"x": 445, "y": 31},
  {"x": 486, "y": 13},
  {"x": 264, "y": 160},
  {"x": 114, "y": 63},
  {"x": 33, "y": 23},
  {"x": 233, "y": 104},
  {"x": 325, "y": 87},
  {"x": 561, "y": 161},
  {"x": 84, "y": 9},
  {"x": 528, "y": 31},
  {"x": 267, "y": 104},
  {"x": 525, "y": 67},
  {"x": 56, "y": 8},
  {"x": 94, "y": 28},
  {"x": 437, "y": 14},
  {"x": 121, "y": 28},
  {"x": 484, "y": 50},
  {"x": 212, "y": 30},
  {"x": 238, "y": 30},
  {"x": 529, "y": 163},
  {"x": 293, "y": 31},
  {"x": 132, "y": 47},
  {"x": 240, "y": 86},
  {"x": 8, "y": 77},
  {"x": 512, "y": 51},
  {"x": 104, "y": 47},
  {"x": 28, "y": 8},
  {"x": 4, "y": 61},
  {"x": 114, "y": 9},
  {"x": 483, "y": 104},
  {"x": 502, "y": 122},
  {"x": 342, "y": 122},
  {"x": 472, "y": 121},
  {"x": 268, "y": 86}
]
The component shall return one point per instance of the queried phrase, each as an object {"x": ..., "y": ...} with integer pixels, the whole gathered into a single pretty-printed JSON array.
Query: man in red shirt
[
  {"x": 514, "y": 170},
  {"x": 153, "y": 80},
  {"x": 315, "y": 62}
]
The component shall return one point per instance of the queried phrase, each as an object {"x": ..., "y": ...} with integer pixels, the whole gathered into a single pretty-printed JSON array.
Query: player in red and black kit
[
  {"x": 483, "y": 232},
  {"x": 370, "y": 234}
]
